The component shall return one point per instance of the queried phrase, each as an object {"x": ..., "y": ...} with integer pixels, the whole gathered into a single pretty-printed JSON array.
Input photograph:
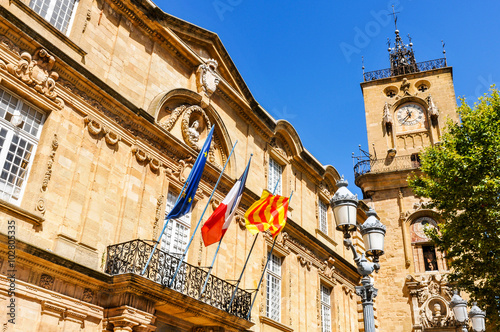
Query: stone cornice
[{"x": 17, "y": 212}]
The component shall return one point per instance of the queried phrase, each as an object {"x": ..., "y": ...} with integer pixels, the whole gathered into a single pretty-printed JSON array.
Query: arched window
[{"x": 425, "y": 256}]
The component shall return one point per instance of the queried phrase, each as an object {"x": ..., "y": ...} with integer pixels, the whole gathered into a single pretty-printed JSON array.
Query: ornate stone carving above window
[
  {"x": 430, "y": 296},
  {"x": 36, "y": 71}
]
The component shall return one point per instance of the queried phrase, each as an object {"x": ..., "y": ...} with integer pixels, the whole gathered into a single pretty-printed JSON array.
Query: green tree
[{"x": 461, "y": 177}]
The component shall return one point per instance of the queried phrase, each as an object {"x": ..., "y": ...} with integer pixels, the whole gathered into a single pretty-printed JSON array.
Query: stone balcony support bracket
[{"x": 125, "y": 319}]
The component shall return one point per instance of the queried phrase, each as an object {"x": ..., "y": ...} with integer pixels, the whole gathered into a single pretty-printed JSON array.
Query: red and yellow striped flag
[{"x": 269, "y": 212}]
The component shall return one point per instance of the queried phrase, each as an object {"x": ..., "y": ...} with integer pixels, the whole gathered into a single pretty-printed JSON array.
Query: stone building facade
[
  {"x": 406, "y": 109},
  {"x": 104, "y": 106}
]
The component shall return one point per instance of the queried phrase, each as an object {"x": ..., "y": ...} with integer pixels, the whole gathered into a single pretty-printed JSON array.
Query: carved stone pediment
[
  {"x": 430, "y": 296},
  {"x": 279, "y": 147}
]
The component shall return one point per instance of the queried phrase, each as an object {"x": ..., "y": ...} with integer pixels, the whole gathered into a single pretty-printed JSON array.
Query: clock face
[
  {"x": 418, "y": 229},
  {"x": 410, "y": 114}
]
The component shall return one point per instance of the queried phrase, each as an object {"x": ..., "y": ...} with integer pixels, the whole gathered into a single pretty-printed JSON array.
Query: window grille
[
  {"x": 56, "y": 12},
  {"x": 20, "y": 127},
  {"x": 322, "y": 216},
  {"x": 326, "y": 311},
  {"x": 175, "y": 238},
  {"x": 273, "y": 294},
  {"x": 275, "y": 173}
]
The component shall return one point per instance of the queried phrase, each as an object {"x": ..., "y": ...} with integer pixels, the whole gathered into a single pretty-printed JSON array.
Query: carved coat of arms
[{"x": 206, "y": 77}]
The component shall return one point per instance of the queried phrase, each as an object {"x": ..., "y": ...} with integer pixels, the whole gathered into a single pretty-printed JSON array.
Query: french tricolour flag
[{"x": 216, "y": 226}]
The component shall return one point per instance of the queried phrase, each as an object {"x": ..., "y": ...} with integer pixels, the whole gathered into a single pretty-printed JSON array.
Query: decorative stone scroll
[
  {"x": 36, "y": 71},
  {"x": 240, "y": 220},
  {"x": 207, "y": 78},
  {"x": 327, "y": 269},
  {"x": 183, "y": 164},
  {"x": 142, "y": 157},
  {"x": 158, "y": 215},
  {"x": 172, "y": 119},
  {"x": 50, "y": 163},
  {"x": 304, "y": 262},
  {"x": 96, "y": 128}
]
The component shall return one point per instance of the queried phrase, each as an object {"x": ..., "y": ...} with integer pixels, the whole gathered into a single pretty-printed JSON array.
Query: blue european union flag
[{"x": 183, "y": 204}]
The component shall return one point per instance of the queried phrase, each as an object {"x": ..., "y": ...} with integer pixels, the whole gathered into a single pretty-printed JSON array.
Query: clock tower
[{"x": 406, "y": 109}]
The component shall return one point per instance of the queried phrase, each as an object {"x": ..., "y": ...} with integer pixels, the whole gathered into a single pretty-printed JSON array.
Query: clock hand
[{"x": 408, "y": 114}]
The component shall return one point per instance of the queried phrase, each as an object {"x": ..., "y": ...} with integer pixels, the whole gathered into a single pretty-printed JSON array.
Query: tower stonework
[{"x": 406, "y": 108}]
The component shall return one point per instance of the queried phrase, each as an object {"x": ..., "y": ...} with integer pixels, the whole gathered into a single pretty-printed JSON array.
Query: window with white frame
[
  {"x": 20, "y": 128},
  {"x": 273, "y": 299},
  {"x": 326, "y": 311},
  {"x": 322, "y": 216},
  {"x": 275, "y": 172},
  {"x": 56, "y": 12},
  {"x": 175, "y": 238}
]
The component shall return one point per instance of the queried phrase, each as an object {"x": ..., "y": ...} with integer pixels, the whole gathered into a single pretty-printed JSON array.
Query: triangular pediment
[{"x": 207, "y": 45}]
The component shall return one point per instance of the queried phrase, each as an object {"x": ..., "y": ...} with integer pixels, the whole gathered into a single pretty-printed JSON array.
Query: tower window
[
  {"x": 415, "y": 160},
  {"x": 430, "y": 258},
  {"x": 422, "y": 88}
]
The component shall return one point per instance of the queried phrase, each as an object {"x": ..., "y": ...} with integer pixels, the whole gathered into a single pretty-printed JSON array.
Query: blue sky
[{"x": 302, "y": 59}]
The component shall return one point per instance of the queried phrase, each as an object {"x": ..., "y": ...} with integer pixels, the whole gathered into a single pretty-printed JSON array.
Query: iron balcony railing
[
  {"x": 386, "y": 165},
  {"x": 418, "y": 67},
  {"x": 131, "y": 257}
]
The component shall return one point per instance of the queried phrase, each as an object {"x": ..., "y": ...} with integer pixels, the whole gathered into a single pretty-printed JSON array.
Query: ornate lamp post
[
  {"x": 459, "y": 307},
  {"x": 344, "y": 204}
]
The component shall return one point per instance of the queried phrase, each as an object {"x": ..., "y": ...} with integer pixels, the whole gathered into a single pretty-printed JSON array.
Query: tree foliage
[{"x": 461, "y": 177}]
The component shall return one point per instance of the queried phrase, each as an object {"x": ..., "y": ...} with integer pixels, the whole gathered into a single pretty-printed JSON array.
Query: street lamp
[
  {"x": 459, "y": 307},
  {"x": 344, "y": 204}
]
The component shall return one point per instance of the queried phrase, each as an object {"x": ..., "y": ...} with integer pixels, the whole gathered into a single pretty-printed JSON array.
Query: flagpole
[
  {"x": 210, "y": 269},
  {"x": 201, "y": 217},
  {"x": 162, "y": 231},
  {"x": 218, "y": 246},
  {"x": 241, "y": 275},
  {"x": 248, "y": 257},
  {"x": 265, "y": 268}
]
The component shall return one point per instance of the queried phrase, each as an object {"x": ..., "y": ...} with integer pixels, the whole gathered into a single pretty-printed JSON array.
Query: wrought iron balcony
[
  {"x": 386, "y": 165},
  {"x": 417, "y": 67},
  {"x": 131, "y": 257}
]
